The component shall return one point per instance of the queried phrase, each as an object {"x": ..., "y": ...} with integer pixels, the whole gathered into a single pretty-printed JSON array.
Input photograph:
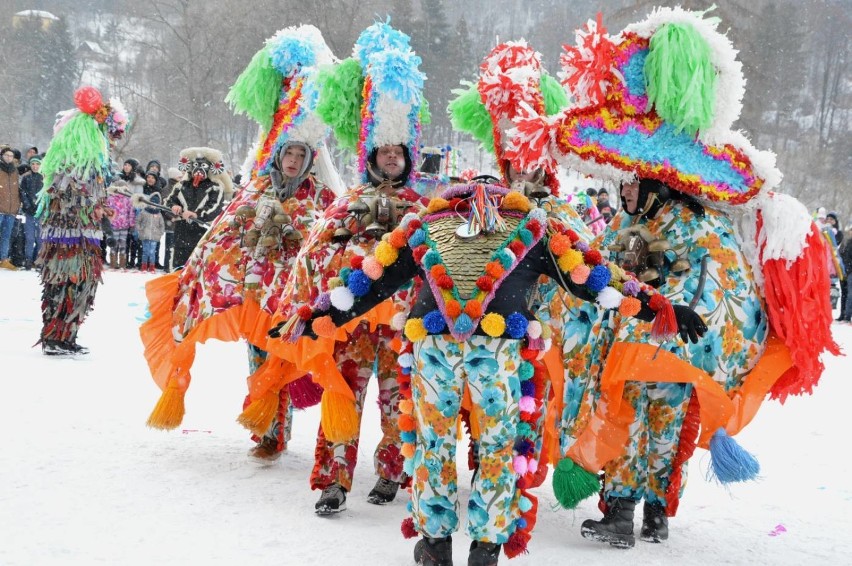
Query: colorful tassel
[
  {"x": 304, "y": 392},
  {"x": 339, "y": 419},
  {"x": 169, "y": 411},
  {"x": 572, "y": 484},
  {"x": 260, "y": 413},
  {"x": 729, "y": 462}
]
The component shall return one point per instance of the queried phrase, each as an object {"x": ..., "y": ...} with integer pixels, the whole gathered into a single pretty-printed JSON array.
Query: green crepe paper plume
[
  {"x": 555, "y": 98},
  {"x": 572, "y": 483},
  {"x": 425, "y": 115},
  {"x": 680, "y": 77},
  {"x": 468, "y": 114},
  {"x": 80, "y": 145},
  {"x": 257, "y": 90},
  {"x": 340, "y": 100}
]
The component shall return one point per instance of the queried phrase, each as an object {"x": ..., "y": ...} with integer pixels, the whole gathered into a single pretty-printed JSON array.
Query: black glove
[{"x": 689, "y": 323}]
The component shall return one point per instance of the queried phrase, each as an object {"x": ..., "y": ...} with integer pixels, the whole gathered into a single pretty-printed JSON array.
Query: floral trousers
[
  {"x": 489, "y": 368},
  {"x": 643, "y": 471},
  {"x": 364, "y": 354},
  {"x": 282, "y": 424}
]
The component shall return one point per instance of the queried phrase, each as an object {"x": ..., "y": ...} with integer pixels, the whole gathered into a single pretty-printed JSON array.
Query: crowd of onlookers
[
  {"x": 839, "y": 250},
  {"x": 20, "y": 183}
]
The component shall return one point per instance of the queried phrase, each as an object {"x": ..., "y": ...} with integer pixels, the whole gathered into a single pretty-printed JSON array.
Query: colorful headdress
[
  {"x": 511, "y": 84},
  {"x": 375, "y": 97},
  {"x": 656, "y": 101},
  {"x": 82, "y": 135},
  {"x": 279, "y": 91}
]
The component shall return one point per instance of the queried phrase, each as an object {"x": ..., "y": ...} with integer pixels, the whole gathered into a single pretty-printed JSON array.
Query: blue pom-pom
[
  {"x": 505, "y": 259},
  {"x": 430, "y": 259},
  {"x": 528, "y": 388},
  {"x": 524, "y": 504},
  {"x": 463, "y": 324},
  {"x": 359, "y": 283},
  {"x": 290, "y": 53},
  {"x": 434, "y": 322},
  {"x": 408, "y": 436},
  {"x": 521, "y": 523},
  {"x": 729, "y": 462},
  {"x": 524, "y": 447},
  {"x": 408, "y": 467},
  {"x": 516, "y": 325},
  {"x": 405, "y": 371},
  {"x": 526, "y": 236},
  {"x": 526, "y": 370},
  {"x": 417, "y": 238},
  {"x": 344, "y": 275},
  {"x": 598, "y": 278}
]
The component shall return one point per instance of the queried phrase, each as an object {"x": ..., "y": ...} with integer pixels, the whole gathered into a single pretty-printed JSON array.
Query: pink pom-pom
[
  {"x": 519, "y": 463},
  {"x": 372, "y": 268},
  {"x": 532, "y": 465},
  {"x": 580, "y": 274},
  {"x": 534, "y": 329},
  {"x": 527, "y": 404}
]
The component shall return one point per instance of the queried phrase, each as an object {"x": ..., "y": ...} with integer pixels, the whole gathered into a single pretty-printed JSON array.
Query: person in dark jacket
[
  {"x": 10, "y": 203},
  {"x": 846, "y": 258},
  {"x": 31, "y": 185},
  {"x": 197, "y": 199}
]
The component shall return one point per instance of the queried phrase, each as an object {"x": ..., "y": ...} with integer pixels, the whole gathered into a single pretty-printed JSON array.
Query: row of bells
[
  {"x": 376, "y": 214},
  {"x": 281, "y": 228}
]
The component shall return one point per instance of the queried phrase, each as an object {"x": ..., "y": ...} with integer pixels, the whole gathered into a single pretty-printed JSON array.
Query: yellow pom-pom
[
  {"x": 618, "y": 274},
  {"x": 386, "y": 254},
  {"x": 414, "y": 329},
  {"x": 516, "y": 201},
  {"x": 493, "y": 324},
  {"x": 570, "y": 260},
  {"x": 334, "y": 283},
  {"x": 438, "y": 204},
  {"x": 406, "y": 406}
]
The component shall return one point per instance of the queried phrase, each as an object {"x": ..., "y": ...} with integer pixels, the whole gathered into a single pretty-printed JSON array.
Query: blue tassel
[{"x": 729, "y": 462}]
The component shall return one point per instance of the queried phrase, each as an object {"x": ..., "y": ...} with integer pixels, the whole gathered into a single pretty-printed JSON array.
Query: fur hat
[{"x": 217, "y": 172}]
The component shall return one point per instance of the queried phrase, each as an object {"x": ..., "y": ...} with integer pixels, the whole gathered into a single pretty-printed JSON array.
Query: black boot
[
  {"x": 483, "y": 554},
  {"x": 655, "y": 524},
  {"x": 434, "y": 551},
  {"x": 616, "y": 528}
]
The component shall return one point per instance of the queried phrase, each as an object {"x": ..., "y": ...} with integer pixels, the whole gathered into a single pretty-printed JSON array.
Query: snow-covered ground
[{"x": 83, "y": 481}]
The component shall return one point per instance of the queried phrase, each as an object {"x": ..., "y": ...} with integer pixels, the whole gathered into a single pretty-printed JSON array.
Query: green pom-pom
[
  {"x": 572, "y": 484},
  {"x": 468, "y": 114},
  {"x": 680, "y": 77},
  {"x": 257, "y": 90},
  {"x": 526, "y": 371},
  {"x": 555, "y": 98},
  {"x": 340, "y": 100}
]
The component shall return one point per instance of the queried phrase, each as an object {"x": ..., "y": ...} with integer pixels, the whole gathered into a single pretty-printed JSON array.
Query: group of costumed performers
[
  {"x": 230, "y": 284},
  {"x": 480, "y": 250},
  {"x": 71, "y": 207},
  {"x": 373, "y": 102},
  {"x": 653, "y": 110}
]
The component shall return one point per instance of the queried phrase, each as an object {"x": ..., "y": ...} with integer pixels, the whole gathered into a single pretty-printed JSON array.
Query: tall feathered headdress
[
  {"x": 375, "y": 97},
  {"x": 81, "y": 136},
  {"x": 511, "y": 84},
  {"x": 279, "y": 91}
]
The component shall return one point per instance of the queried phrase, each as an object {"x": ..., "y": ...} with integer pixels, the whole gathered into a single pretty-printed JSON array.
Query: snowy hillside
[{"x": 83, "y": 481}]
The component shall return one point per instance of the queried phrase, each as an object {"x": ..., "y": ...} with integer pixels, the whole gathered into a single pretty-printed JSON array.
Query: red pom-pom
[
  {"x": 356, "y": 262},
  {"x": 445, "y": 282},
  {"x": 529, "y": 354},
  {"x": 573, "y": 235},
  {"x": 419, "y": 252},
  {"x": 415, "y": 224},
  {"x": 408, "y": 530},
  {"x": 517, "y": 247},
  {"x": 534, "y": 226},
  {"x": 592, "y": 257},
  {"x": 485, "y": 283},
  {"x": 657, "y": 302},
  {"x": 454, "y": 202},
  {"x": 305, "y": 312},
  {"x": 517, "y": 544},
  {"x": 88, "y": 99}
]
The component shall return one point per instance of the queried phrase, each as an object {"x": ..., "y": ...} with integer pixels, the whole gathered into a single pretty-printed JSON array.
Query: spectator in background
[
  {"x": 31, "y": 185},
  {"x": 149, "y": 222},
  {"x": 846, "y": 257},
  {"x": 834, "y": 225},
  {"x": 122, "y": 221},
  {"x": 10, "y": 203},
  {"x": 593, "y": 194},
  {"x": 175, "y": 176},
  {"x": 31, "y": 152}
]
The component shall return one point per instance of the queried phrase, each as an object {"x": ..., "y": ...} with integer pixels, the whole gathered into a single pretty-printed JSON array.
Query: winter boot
[
  {"x": 113, "y": 260},
  {"x": 144, "y": 268},
  {"x": 332, "y": 501},
  {"x": 122, "y": 261},
  {"x": 655, "y": 524},
  {"x": 434, "y": 551},
  {"x": 55, "y": 348},
  {"x": 483, "y": 554},
  {"x": 152, "y": 268},
  {"x": 616, "y": 528},
  {"x": 383, "y": 492},
  {"x": 265, "y": 452}
]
